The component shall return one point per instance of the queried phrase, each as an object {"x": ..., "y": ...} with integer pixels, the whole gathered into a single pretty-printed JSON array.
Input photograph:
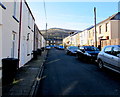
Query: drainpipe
[{"x": 20, "y": 28}]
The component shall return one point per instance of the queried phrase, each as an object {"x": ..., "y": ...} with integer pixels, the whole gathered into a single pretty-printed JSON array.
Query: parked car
[
  {"x": 71, "y": 50},
  {"x": 109, "y": 57},
  {"x": 88, "y": 53},
  {"x": 56, "y": 46},
  {"x": 48, "y": 47},
  {"x": 61, "y": 47},
  {"x": 52, "y": 46}
]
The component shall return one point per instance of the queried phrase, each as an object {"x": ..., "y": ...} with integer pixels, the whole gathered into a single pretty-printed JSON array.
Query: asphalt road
[{"x": 66, "y": 75}]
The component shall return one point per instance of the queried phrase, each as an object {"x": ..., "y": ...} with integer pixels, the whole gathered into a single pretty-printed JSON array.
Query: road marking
[{"x": 53, "y": 61}]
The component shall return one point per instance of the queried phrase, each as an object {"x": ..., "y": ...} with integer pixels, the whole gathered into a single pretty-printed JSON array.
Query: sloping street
[{"x": 66, "y": 75}]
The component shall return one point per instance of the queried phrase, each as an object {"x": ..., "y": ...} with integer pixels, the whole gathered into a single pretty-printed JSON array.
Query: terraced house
[
  {"x": 108, "y": 33},
  {"x": 17, "y": 31}
]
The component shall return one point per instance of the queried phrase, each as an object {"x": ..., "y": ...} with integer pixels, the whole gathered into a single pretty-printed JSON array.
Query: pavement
[{"x": 27, "y": 79}]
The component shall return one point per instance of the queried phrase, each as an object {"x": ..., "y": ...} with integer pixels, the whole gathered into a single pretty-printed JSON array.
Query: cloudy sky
[{"x": 71, "y": 15}]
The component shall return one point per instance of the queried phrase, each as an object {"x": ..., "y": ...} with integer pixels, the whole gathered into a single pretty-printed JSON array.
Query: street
[{"x": 66, "y": 75}]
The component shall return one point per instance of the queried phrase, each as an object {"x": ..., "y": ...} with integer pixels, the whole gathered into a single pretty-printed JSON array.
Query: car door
[
  {"x": 116, "y": 56},
  {"x": 107, "y": 56},
  {"x": 82, "y": 52}
]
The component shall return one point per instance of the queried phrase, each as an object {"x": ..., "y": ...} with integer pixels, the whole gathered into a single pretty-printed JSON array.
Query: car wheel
[
  {"x": 100, "y": 64},
  {"x": 67, "y": 53}
]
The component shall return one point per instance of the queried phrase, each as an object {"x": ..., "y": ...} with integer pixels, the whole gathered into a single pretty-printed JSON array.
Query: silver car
[{"x": 109, "y": 57}]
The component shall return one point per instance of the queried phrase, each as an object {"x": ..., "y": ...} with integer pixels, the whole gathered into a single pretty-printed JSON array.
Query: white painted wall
[
  {"x": 43, "y": 42},
  {"x": 26, "y": 45},
  {"x": 8, "y": 26},
  {"x": 0, "y": 41}
]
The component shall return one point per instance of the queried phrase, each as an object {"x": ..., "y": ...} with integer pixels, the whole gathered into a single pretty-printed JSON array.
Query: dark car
[
  {"x": 48, "y": 47},
  {"x": 60, "y": 47},
  {"x": 71, "y": 50},
  {"x": 88, "y": 53}
]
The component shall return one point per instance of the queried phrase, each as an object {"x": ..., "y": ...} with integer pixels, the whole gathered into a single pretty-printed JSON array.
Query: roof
[
  {"x": 113, "y": 17},
  {"x": 116, "y": 17},
  {"x": 89, "y": 28}
]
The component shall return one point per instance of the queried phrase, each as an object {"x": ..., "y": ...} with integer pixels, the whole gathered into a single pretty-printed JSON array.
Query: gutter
[{"x": 20, "y": 28}]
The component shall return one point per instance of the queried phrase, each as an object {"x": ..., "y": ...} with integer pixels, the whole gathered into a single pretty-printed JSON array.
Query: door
[
  {"x": 13, "y": 49},
  {"x": 107, "y": 56},
  {"x": 116, "y": 56}
]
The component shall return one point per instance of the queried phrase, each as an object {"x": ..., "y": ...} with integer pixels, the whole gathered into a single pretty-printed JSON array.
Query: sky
[{"x": 71, "y": 15}]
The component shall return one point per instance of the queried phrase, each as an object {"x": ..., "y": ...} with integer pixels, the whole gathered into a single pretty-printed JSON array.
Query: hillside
[{"x": 57, "y": 33}]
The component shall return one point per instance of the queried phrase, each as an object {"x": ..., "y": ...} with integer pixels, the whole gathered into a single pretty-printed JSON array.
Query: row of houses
[
  {"x": 19, "y": 34},
  {"x": 107, "y": 33}
]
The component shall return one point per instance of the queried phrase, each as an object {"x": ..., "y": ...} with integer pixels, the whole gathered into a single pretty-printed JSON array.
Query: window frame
[
  {"x": 106, "y": 28},
  {"x": 100, "y": 29}
]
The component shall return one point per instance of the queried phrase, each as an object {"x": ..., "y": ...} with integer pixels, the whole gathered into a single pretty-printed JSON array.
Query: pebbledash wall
[{"x": 15, "y": 41}]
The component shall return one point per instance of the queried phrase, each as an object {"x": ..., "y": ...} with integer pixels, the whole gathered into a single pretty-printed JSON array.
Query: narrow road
[{"x": 66, "y": 75}]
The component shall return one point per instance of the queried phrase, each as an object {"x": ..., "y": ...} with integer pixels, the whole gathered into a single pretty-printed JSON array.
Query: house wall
[
  {"x": 39, "y": 41},
  {"x": 7, "y": 30},
  {"x": 13, "y": 26},
  {"x": 1, "y": 41},
  {"x": 104, "y": 34},
  {"x": 90, "y": 37},
  {"x": 115, "y": 29},
  {"x": 27, "y": 36},
  {"x": 43, "y": 42},
  {"x": 78, "y": 39},
  {"x": 119, "y": 27}
]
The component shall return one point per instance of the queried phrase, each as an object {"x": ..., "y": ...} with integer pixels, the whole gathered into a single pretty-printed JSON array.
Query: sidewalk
[{"x": 27, "y": 78}]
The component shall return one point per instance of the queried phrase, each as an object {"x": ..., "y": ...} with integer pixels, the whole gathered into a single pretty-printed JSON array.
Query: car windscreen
[
  {"x": 90, "y": 48},
  {"x": 73, "y": 47}
]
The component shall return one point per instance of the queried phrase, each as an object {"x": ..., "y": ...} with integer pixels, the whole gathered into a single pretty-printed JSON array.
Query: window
[
  {"x": 99, "y": 29},
  {"x": 28, "y": 44},
  {"x": 93, "y": 32},
  {"x": 81, "y": 48},
  {"x": 116, "y": 51},
  {"x": 28, "y": 36},
  {"x": 28, "y": 19},
  {"x": 106, "y": 27},
  {"x": 89, "y": 33},
  {"x": 2, "y": 6},
  {"x": 13, "y": 45},
  {"x": 108, "y": 50}
]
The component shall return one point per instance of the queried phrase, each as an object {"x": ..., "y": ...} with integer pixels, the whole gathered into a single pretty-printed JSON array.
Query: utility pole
[
  {"x": 46, "y": 31},
  {"x": 95, "y": 33}
]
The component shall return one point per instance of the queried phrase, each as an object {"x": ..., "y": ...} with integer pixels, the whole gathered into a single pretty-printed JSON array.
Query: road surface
[{"x": 66, "y": 75}]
